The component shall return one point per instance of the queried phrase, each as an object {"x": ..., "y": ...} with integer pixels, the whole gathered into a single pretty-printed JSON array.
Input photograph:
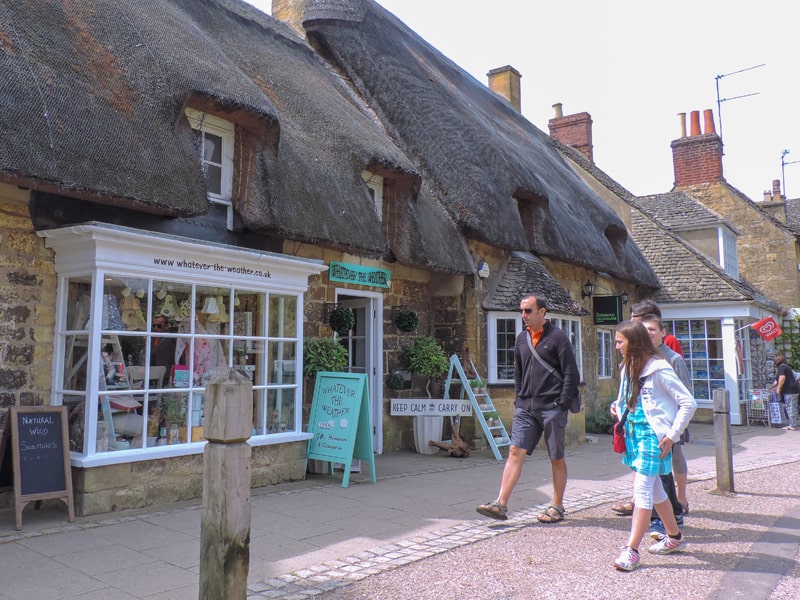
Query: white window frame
[
  {"x": 570, "y": 325},
  {"x": 605, "y": 354},
  {"x": 728, "y": 252},
  {"x": 97, "y": 250},
  {"x": 225, "y": 130},
  {"x": 375, "y": 187}
]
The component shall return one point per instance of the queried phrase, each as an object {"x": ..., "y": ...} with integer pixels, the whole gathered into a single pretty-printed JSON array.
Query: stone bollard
[
  {"x": 722, "y": 439},
  {"x": 225, "y": 517}
]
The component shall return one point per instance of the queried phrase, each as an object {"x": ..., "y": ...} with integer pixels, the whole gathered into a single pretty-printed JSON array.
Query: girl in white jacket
[{"x": 659, "y": 409}]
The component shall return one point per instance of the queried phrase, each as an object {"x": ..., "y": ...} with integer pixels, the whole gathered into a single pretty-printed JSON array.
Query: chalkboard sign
[
  {"x": 40, "y": 450},
  {"x": 340, "y": 421}
]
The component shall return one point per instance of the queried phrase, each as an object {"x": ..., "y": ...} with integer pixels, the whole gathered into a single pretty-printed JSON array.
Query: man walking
[{"x": 545, "y": 381}]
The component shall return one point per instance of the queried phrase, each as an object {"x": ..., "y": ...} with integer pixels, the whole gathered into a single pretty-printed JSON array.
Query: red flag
[{"x": 767, "y": 328}]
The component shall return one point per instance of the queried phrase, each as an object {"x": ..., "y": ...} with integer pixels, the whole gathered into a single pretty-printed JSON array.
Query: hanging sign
[
  {"x": 340, "y": 421},
  {"x": 607, "y": 310},
  {"x": 360, "y": 275}
]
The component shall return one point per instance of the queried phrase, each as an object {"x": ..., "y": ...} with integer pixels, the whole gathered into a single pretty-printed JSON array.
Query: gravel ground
[{"x": 729, "y": 554}]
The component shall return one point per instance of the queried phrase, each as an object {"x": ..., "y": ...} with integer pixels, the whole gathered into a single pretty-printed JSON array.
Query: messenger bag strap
[{"x": 553, "y": 372}]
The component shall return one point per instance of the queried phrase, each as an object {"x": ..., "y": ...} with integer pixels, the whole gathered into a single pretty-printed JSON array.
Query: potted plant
[
  {"x": 323, "y": 354},
  {"x": 173, "y": 414},
  {"x": 395, "y": 381},
  {"x": 478, "y": 385},
  {"x": 341, "y": 319},
  {"x": 406, "y": 319},
  {"x": 426, "y": 357}
]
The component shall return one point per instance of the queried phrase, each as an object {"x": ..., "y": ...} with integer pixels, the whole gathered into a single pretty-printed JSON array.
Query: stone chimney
[
  {"x": 573, "y": 130},
  {"x": 505, "y": 81},
  {"x": 698, "y": 157},
  {"x": 290, "y": 12}
]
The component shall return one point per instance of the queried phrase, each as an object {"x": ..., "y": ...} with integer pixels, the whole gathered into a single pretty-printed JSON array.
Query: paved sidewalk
[{"x": 314, "y": 535}]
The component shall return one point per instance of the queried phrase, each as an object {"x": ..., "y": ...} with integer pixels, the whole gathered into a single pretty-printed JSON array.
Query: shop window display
[{"x": 154, "y": 347}]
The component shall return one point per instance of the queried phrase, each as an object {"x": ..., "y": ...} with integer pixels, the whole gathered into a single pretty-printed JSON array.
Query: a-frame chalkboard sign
[
  {"x": 340, "y": 421},
  {"x": 40, "y": 456}
]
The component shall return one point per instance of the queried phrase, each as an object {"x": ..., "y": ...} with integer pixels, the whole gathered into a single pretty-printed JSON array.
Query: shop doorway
[{"x": 364, "y": 343}]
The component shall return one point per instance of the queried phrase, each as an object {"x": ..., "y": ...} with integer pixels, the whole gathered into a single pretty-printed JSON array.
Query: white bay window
[{"x": 145, "y": 321}]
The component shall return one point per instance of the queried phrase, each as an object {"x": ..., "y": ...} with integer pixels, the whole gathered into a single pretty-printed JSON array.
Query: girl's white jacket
[{"x": 668, "y": 405}]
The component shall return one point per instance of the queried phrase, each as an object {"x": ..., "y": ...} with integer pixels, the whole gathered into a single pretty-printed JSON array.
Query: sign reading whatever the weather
[
  {"x": 360, "y": 275},
  {"x": 340, "y": 423}
]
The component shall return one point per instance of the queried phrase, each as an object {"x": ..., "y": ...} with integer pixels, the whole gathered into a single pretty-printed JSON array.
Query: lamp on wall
[
  {"x": 624, "y": 297},
  {"x": 588, "y": 289}
]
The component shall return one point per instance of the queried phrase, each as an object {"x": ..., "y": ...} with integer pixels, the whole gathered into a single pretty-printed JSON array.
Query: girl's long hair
[{"x": 640, "y": 350}]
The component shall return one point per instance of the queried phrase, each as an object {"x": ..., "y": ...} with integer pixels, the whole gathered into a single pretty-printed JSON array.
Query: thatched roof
[
  {"x": 475, "y": 152},
  {"x": 93, "y": 96}
]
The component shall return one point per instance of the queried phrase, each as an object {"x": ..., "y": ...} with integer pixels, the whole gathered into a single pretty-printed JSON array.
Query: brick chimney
[
  {"x": 573, "y": 130},
  {"x": 698, "y": 157},
  {"x": 505, "y": 81}
]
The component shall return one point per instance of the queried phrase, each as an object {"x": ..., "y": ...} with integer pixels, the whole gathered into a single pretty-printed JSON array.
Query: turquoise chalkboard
[{"x": 340, "y": 421}]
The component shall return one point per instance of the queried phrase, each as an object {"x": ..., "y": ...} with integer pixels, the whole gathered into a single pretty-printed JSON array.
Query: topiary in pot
[
  {"x": 426, "y": 357},
  {"x": 395, "y": 381},
  {"x": 341, "y": 319},
  {"x": 406, "y": 319},
  {"x": 323, "y": 354}
]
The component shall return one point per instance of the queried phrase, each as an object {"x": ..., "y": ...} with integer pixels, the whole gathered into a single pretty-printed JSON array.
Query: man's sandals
[
  {"x": 552, "y": 514},
  {"x": 494, "y": 510}
]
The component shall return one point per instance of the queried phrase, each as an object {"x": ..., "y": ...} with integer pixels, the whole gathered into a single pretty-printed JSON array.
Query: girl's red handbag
[{"x": 619, "y": 434}]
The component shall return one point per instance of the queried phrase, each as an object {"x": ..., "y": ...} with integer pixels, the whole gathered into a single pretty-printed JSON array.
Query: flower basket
[
  {"x": 341, "y": 319},
  {"x": 406, "y": 319}
]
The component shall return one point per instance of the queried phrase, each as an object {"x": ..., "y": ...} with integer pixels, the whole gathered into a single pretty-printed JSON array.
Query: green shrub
[
  {"x": 323, "y": 354},
  {"x": 599, "y": 419}
]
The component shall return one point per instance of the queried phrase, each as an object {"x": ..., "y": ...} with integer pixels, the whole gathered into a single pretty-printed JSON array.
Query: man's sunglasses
[{"x": 527, "y": 311}]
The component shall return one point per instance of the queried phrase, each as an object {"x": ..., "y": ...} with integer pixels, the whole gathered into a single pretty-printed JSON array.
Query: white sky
[{"x": 634, "y": 65}]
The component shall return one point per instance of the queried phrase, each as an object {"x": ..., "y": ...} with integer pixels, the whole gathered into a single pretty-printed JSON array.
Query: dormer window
[
  {"x": 375, "y": 188},
  {"x": 215, "y": 140}
]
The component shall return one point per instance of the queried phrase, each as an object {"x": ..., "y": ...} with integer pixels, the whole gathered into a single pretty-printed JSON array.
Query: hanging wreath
[
  {"x": 406, "y": 319},
  {"x": 341, "y": 319}
]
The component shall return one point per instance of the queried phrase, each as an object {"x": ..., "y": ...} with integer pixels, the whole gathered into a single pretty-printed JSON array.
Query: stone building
[
  {"x": 189, "y": 186},
  {"x": 696, "y": 253}
]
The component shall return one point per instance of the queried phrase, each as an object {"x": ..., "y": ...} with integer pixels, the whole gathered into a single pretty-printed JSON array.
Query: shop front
[{"x": 145, "y": 321}]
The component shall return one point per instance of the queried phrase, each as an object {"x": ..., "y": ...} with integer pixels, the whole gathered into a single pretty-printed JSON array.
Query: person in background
[
  {"x": 649, "y": 307},
  {"x": 680, "y": 471},
  {"x": 659, "y": 408},
  {"x": 162, "y": 349},
  {"x": 542, "y": 402},
  {"x": 787, "y": 389}
]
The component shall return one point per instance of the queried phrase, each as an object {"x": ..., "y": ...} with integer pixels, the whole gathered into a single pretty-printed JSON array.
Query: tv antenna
[{"x": 721, "y": 100}]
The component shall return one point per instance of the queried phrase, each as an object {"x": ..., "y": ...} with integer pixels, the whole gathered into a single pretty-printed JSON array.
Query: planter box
[{"x": 426, "y": 429}]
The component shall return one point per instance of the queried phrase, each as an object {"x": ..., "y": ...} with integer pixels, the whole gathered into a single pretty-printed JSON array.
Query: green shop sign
[{"x": 360, "y": 275}]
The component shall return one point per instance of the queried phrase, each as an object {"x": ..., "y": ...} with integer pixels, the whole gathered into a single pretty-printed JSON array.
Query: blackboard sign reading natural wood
[
  {"x": 40, "y": 450},
  {"x": 340, "y": 422}
]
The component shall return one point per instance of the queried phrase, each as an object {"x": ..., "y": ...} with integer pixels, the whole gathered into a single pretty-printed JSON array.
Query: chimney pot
[
  {"x": 708, "y": 115},
  {"x": 682, "y": 117},
  {"x": 559, "y": 111},
  {"x": 776, "y": 190},
  {"x": 694, "y": 120},
  {"x": 767, "y": 196}
]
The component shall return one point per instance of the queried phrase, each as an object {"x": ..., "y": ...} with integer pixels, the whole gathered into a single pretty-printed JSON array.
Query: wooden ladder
[{"x": 496, "y": 435}]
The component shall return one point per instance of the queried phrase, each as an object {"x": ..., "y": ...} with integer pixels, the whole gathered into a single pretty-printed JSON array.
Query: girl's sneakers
[{"x": 628, "y": 560}]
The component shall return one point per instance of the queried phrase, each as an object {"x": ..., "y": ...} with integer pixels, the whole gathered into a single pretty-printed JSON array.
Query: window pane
[
  {"x": 282, "y": 356},
  {"x": 212, "y": 148},
  {"x": 213, "y": 176},
  {"x": 506, "y": 335},
  {"x": 282, "y": 316}
]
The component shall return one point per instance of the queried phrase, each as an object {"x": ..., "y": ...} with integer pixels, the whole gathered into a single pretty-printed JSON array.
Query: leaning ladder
[{"x": 496, "y": 435}]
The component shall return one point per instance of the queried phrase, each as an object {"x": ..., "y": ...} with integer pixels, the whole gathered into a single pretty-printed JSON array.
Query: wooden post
[
  {"x": 225, "y": 518},
  {"x": 722, "y": 437}
]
